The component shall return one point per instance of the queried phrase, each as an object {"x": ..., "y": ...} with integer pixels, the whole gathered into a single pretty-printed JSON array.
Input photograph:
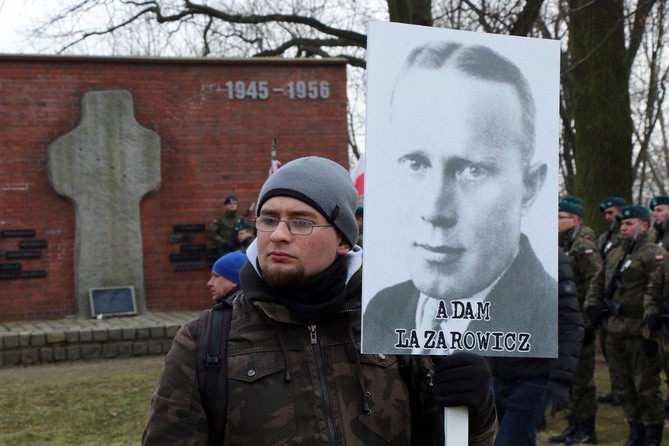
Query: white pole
[{"x": 456, "y": 426}]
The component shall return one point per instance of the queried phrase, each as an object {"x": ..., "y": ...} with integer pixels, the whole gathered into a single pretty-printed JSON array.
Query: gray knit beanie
[{"x": 322, "y": 184}]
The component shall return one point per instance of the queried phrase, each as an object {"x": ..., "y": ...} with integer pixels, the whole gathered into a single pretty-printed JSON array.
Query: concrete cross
[{"x": 106, "y": 165}]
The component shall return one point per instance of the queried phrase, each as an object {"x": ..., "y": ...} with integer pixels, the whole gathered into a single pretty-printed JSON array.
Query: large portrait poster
[{"x": 460, "y": 193}]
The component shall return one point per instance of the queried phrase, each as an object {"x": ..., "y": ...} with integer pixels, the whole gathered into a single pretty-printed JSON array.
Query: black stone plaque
[
  {"x": 213, "y": 256},
  {"x": 32, "y": 244},
  {"x": 35, "y": 274},
  {"x": 10, "y": 266},
  {"x": 185, "y": 256},
  {"x": 23, "y": 254},
  {"x": 181, "y": 238},
  {"x": 113, "y": 301},
  {"x": 24, "y": 233},
  {"x": 197, "y": 227},
  {"x": 8, "y": 275},
  {"x": 193, "y": 266},
  {"x": 192, "y": 247}
]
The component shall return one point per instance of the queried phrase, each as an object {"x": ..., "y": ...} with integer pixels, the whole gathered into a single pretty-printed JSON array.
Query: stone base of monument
[{"x": 71, "y": 339}]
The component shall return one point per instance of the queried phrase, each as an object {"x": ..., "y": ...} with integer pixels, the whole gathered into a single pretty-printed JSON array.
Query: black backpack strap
[{"x": 213, "y": 332}]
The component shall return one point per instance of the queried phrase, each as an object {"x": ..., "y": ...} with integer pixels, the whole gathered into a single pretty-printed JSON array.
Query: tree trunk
[
  {"x": 600, "y": 80},
  {"x": 414, "y": 12}
]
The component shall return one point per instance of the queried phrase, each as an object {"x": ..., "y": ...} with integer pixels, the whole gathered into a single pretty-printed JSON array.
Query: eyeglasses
[{"x": 295, "y": 226}]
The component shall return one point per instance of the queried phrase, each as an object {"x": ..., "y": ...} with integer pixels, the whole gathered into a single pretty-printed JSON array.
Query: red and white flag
[
  {"x": 275, "y": 164},
  {"x": 358, "y": 175}
]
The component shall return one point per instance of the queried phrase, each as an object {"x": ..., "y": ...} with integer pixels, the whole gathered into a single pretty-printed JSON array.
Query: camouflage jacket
[
  {"x": 584, "y": 258},
  {"x": 320, "y": 402},
  {"x": 222, "y": 230},
  {"x": 662, "y": 235},
  {"x": 656, "y": 302},
  {"x": 646, "y": 257},
  {"x": 609, "y": 240}
]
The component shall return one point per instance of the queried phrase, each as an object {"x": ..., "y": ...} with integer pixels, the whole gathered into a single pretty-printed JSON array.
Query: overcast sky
[{"x": 16, "y": 18}]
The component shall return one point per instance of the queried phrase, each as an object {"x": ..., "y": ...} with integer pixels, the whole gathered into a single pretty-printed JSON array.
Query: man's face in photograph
[{"x": 463, "y": 179}]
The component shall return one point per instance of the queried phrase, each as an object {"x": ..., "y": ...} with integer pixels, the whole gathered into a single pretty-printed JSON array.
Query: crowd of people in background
[{"x": 621, "y": 279}]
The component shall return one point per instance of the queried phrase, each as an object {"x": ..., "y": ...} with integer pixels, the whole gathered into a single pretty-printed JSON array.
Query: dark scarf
[{"x": 318, "y": 296}]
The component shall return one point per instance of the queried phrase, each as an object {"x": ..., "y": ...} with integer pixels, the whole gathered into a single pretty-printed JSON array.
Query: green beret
[
  {"x": 573, "y": 199},
  {"x": 660, "y": 199},
  {"x": 611, "y": 201},
  {"x": 243, "y": 225},
  {"x": 230, "y": 199},
  {"x": 635, "y": 211},
  {"x": 572, "y": 208}
]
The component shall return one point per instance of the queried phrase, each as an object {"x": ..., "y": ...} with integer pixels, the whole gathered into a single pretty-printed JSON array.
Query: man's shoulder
[
  {"x": 392, "y": 302},
  {"x": 585, "y": 246},
  {"x": 399, "y": 289}
]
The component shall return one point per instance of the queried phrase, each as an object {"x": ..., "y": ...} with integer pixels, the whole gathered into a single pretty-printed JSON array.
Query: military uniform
[
  {"x": 581, "y": 248},
  {"x": 636, "y": 378},
  {"x": 222, "y": 232},
  {"x": 609, "y": 239},
  {"x": 662, "y": 239}
]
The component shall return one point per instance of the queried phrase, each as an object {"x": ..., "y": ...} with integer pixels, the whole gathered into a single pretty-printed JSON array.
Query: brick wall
[{"x": 214, "y": 141}]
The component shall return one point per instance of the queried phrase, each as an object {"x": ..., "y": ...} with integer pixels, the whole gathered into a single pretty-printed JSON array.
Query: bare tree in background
[{"x": 635, "y": 154}]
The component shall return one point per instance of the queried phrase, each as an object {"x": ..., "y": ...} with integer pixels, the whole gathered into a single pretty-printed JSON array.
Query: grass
[
  {"x": 611, "y": 427},
  {"x": 81, "y": 403},
  {"x": 106, "y": 403}
]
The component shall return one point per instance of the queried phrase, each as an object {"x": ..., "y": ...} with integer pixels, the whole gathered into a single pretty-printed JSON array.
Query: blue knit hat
[
  {"x": 322, "y": 184},
  {"x": 229, "y": 266}
]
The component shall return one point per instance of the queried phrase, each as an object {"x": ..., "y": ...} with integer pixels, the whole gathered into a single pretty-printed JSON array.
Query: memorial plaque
[
  {"x": 35, "y": 274},
  {"x": 23, "y": 254},
  {"x": 194, "y": 266},
  {"x": 10, "y": 266},
  {"x": 198, "y": 227},
  {"x": 180, "y": 238},
  {"x": 185, "y": 256},
  {"x": 8, "y": 275},
  {"x": 32, "y": 244},
  {"x": 112, "y": 301},
  {"x": 13, "y": 233},
  {"x": 213, "y": 256},
  {"x": 193, "y": 247}
]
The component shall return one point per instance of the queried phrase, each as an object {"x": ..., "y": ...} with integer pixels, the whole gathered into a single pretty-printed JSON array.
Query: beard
[{"x": 283, "y": 279}]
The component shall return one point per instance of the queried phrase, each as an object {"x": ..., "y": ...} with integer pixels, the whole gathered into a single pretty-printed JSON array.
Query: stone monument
[{"x": 106, "y": 165}]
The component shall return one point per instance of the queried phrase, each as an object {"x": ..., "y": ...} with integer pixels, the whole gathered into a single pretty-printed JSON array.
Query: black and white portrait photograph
[{"x": 460, "y": 188}]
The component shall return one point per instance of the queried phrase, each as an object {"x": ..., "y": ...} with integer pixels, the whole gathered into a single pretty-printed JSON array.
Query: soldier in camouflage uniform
[
  {"x": 585, "y": 260},
  {"x": 245, "y": 234},
  {"x": 611, "y": 238},
  {"x": 221, "y": 232},
  {"x": 619, "y": 289},
  {"x": 608, "y": 240},
  {"x": 659, "y": 206},
  {"x": 295, "y": 374}
]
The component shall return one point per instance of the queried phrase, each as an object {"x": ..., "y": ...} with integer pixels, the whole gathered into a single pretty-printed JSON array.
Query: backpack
[{"x": 214, "y": 326}]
